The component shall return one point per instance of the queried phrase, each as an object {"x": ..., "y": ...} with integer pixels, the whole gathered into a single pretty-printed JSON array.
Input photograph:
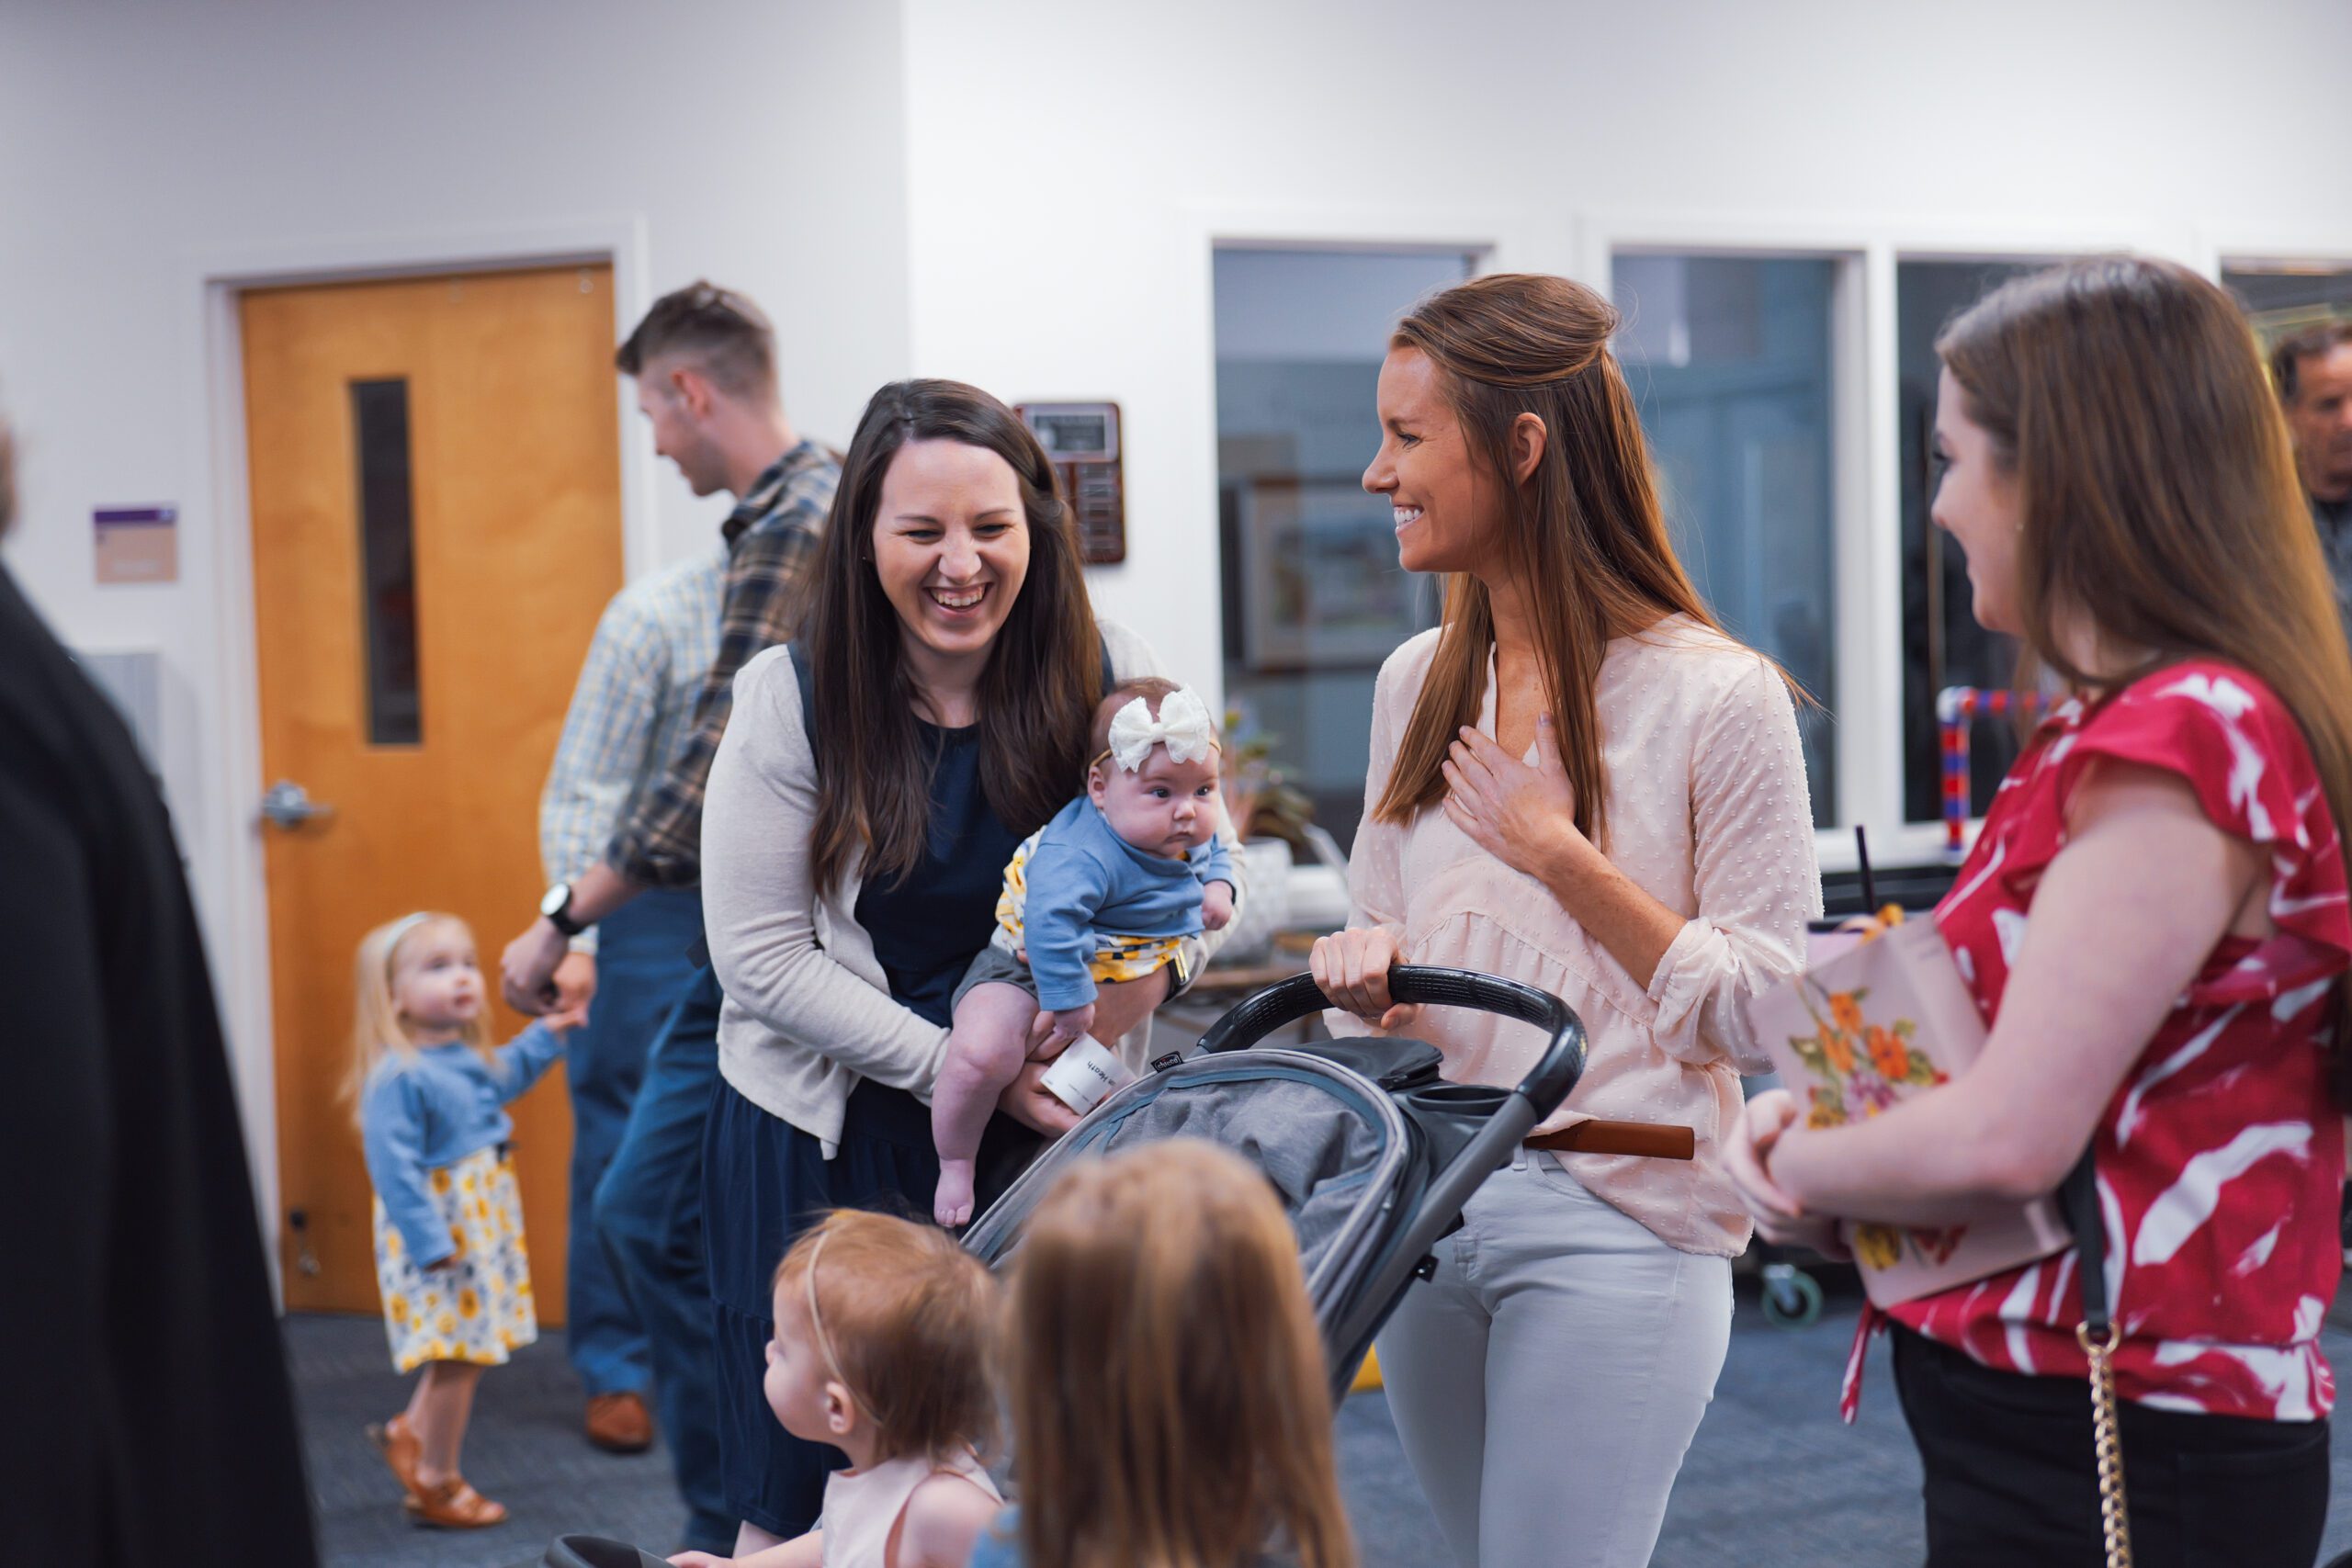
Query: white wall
[
  {"x": 1021, "y": 194},
  {"x": 1070, "y": 165},
  {"x": 144, "y": 143}
]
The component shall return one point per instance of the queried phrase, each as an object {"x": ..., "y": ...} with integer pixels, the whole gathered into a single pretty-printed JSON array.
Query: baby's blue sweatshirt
[
  {"x": 425, "y": 1109},
  {"x": 1083, "y": 879}
]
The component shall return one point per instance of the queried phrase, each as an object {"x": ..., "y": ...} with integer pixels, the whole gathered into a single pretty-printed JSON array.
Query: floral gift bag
[{"x": 1873, "y": 1023}]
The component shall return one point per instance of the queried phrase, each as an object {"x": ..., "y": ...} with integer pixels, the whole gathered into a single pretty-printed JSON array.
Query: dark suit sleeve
[
  {"x": 149, "y": 1415},
  {"x": 55, "y": 1168}
]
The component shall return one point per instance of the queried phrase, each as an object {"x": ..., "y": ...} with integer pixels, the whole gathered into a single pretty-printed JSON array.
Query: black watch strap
[{"x": 561, "y": 919}]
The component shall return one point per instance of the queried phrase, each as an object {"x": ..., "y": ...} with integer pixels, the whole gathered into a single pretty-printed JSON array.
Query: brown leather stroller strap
[{"x": 1658, "y": 1140}]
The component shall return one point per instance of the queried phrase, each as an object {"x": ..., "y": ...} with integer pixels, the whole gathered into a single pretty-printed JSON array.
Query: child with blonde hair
[
  {"x": 431, "y": 1097},
  {"x": 883, "y": 1330},
  {"x": 1170, "y": 1396},
  {"x": 1105, "y": 891}
]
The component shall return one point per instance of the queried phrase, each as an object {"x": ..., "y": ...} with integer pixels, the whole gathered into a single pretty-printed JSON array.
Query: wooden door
[{"x": 435, "y": 469}]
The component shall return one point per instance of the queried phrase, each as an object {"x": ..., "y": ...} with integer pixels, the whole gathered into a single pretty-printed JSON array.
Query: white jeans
[{"x": 1548, "y": 1381}]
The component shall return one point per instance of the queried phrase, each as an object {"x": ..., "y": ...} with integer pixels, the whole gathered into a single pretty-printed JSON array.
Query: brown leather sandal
[
  {"x": 454, "y": 1506},
  {"x": 401, "y": 1449}
]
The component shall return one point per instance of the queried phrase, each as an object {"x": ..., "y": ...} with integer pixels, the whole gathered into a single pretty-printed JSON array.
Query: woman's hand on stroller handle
[{"x": 1351, "y": 967}]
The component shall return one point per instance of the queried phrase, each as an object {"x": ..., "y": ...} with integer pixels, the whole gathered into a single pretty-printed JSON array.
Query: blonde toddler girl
[{"x": 449, "y": 1221}]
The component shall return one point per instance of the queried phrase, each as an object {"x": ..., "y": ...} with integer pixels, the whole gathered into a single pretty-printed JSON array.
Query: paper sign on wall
[{"x": 138, "y": 544}]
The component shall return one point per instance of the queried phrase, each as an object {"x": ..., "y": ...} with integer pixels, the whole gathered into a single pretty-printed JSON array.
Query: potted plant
[{"x": 1271, "y": 814}]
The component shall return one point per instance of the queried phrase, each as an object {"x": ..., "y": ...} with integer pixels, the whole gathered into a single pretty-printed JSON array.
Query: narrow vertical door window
[{"x": 387, "y": 562}]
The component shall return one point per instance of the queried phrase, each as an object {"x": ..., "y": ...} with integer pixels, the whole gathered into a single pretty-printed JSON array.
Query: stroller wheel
[{"x": 1791, "y": 1297}]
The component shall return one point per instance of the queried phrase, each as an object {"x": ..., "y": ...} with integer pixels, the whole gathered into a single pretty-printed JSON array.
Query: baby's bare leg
[{"x": 985, "y": 1050}]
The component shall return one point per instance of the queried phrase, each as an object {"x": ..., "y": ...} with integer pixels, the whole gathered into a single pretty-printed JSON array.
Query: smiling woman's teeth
[
  {"x": 958, "y": 598},
  {"x": 1406, "y": 514}
]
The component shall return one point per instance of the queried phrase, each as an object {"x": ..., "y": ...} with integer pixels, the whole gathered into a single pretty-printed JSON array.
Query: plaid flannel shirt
[
  {"x": 636, "y": 693},
  {"x": 770, "y": 535}
]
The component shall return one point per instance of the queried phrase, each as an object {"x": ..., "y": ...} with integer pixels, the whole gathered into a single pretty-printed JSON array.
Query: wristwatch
[{"x": 557, "y": 907}]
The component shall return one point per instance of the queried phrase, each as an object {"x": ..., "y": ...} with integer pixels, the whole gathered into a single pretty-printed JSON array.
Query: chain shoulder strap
[{"x": 2098, "y": 1336}]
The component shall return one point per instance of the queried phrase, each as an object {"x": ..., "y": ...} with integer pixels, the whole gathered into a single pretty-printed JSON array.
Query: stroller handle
[{"x": 1287, "y": 1001}]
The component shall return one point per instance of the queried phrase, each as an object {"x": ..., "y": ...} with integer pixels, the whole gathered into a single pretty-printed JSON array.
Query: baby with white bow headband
[{"x": 1105, "y": 891}]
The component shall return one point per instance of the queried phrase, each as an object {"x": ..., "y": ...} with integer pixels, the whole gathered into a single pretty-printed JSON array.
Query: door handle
[{"x": 287, "y": 805}]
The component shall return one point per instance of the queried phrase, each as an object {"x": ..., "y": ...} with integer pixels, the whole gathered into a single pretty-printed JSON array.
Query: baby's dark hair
[
  {"x": 1152, "y": 689},
  {"x": 910, "y": 1320}
]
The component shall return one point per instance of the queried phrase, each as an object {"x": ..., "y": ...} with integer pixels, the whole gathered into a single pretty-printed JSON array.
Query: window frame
[
  {"x": 1436, "y": 237},
  {"x": 1866, "y": 448},
  {"x": 1848, "y": 487},
  {"x": 1866, "y": 438}
]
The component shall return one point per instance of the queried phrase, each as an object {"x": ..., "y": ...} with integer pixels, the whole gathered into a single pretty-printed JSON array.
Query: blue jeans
[
  {"x": 648, "y": 1214},
  {"x": 641, "y": 966}
]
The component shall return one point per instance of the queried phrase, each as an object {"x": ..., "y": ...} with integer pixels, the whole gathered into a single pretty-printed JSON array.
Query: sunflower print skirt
[{"x": 477, "y": 1308}]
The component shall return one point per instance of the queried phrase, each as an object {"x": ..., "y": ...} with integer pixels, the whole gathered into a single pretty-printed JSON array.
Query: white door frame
[{"x": 215, "y": 281}]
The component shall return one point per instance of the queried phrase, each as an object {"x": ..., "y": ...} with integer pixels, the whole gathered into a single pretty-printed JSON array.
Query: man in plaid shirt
[
  {"x": 704, "y": 360},
  {"x": 637, "y": 695}
]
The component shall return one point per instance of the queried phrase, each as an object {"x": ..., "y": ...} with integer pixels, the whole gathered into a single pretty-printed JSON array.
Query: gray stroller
[{"x": 1372, "y": 1153}]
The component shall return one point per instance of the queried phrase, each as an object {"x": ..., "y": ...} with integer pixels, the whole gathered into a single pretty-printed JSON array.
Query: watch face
[{"x": 558, "y": 897}]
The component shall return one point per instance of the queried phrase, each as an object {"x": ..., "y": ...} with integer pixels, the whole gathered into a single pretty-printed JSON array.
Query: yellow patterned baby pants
[{"x": 1117, "y": 957}]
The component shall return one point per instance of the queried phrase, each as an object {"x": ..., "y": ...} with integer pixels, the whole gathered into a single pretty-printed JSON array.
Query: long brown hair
[
  {"x": 2158, "y": 488},
  {"x": 1042, "y": 677},
  {"x": 1584, "y": 533},
  {"x": 1170, "y": 1405}
]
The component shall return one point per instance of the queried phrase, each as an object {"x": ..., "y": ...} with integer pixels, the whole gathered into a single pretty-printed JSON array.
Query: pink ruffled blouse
[{"x": 1708, "y": 813}]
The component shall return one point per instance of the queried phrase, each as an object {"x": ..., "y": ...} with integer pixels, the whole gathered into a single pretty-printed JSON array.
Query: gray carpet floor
[{"x": 1773, "y": 1479}]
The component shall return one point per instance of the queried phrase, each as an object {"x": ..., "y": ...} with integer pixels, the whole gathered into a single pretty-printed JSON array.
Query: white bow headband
[{"x": 1182, "y": 726}]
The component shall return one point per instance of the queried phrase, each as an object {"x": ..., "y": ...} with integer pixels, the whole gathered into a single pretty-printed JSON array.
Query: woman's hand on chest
[{"x": 1524, "y": 816}]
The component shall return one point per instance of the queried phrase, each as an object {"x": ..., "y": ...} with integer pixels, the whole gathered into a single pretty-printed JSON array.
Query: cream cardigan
[
  {"x": 1708, "y": 813},
  {"x": 809, "y": 1011}
]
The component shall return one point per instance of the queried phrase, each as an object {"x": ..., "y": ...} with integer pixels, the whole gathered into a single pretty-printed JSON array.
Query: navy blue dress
[{"x": 926, "y": 928}]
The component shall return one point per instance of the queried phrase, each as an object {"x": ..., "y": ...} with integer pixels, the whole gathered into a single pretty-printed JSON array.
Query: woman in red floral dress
[{"x": 2153, "y": 921}]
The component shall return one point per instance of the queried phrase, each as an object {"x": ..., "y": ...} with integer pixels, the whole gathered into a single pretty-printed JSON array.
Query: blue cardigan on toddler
[{"x": 424, "y": 1109}]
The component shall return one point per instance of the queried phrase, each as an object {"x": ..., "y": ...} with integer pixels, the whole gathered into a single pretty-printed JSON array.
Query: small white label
[{"x": 1084, "y": 1075}]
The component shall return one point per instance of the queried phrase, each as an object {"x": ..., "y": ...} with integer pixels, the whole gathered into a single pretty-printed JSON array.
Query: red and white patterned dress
[{"x": 2220, "y": 1159}]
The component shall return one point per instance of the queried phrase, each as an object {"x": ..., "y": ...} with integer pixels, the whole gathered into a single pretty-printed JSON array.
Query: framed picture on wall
[{"x": 1320, "y": 586}]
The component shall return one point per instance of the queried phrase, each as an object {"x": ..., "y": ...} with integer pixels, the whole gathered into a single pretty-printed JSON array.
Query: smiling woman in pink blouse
[{"x": 1581, "y": 782}]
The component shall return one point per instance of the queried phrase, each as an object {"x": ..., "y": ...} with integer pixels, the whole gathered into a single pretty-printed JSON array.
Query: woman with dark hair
[
  {"x": 1579, "y": 781},
  {"x": 2154, "y": 921},
  {"x": 852, "y": 853}
]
